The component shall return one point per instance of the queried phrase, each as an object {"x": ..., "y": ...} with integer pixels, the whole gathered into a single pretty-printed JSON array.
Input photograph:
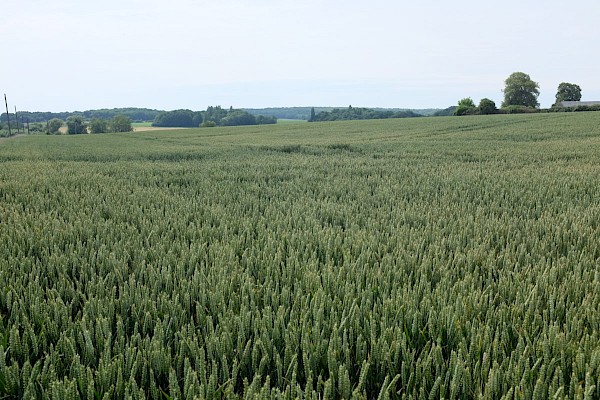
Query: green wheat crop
[{"x": 434, "y": 258}]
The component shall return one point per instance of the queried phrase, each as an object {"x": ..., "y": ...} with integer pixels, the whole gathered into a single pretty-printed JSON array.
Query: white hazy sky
[{"x": 66, "y": 55}]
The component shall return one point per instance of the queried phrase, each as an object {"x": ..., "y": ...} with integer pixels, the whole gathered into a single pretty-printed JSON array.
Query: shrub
[
  {"x": 76, "y": 125},
  {"x": 584, "y": 107},
  {"x": 120, "y": 123},
  {"x": 486, "y": 107},
  {"x": 98, "y": 125},
  {"x": 466, "y": 106},
  {"x": 519, "y": 110},
  {"x": 54, "y": 126}
]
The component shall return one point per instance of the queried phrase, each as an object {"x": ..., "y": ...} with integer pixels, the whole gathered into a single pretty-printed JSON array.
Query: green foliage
[
  {"x": 568, "y": 92},
  {"x": 36, "y": 127},
  {"x": 520, "y": 90},
  {"x": 486, "y": 107},
  {"x": 299, "y": 113},
  {"x": 208, "y": 124},
  {"x": 519, "y": 110},
  {"x": 465, "y": 106},
  {"x": 120, "y": 123},
  {"x": 215, "y": 114},
  {"x": 409, "y": 258},
  {"x": 76, "y": 125},
  {"x": 238, "y": 117},
  {"x": 54, "y": 126},
  {"x": 136, "y": 114},
  {"x": 178, "y": 119},
  {"x": 304, "y": 113},
  {"x": 584, "y": 107},
  {"x": 264, "y": 120},
  {"x": 581, "y": 107},
  {"x": 356, "y": 113},
  {"x": 98, "y": 125}
]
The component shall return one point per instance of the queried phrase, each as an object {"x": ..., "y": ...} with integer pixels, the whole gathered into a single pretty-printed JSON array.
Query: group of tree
[
  {"x": 135, "y": 114},
  {"x": 520, "y": 95},
  {"x": 467, "y": 106},
  {"x": 298, "y": 113},
  {"x": 213, "y": 116},
  {"x": 77, "y": 125},
  {"x": 304, "y": 113},
  {"x": 178, "y": 119},
  {"x": 358, "y": 113},
  {"x": 118, "y": 123},
  {"x": 217, "y": 116},
  {"x": 32, "y": 128}
]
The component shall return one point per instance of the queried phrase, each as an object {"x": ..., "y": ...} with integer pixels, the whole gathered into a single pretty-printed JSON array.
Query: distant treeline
[
  {"x": 188, "y": 118},
  {"x": 135, "y": 114},
  {"x": 357, "y": 113},
  {"x": 213, "y": 116},
  {"x": 446, "y": 112},
  {"x": 300, "y": 113},
  {"x": 304, "y": 113}
]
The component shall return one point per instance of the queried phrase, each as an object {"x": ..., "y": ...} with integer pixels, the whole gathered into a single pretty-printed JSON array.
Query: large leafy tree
[
  {"x": 568, "y": 92},
  {"x": 54, "y": 125},
  {"x": 466, "y": 106},
  {"x": 120, "y": 123},
  {"x": 487, "y": 106},
  {"x": 98, "y": 125},
  {"x": 238, "y": 117},
  {"x": 520, "y": 90},
  {"x": 76, "y": 125},
  {"x": 178, "y": 118},
  {"x": 214, "y": 114}
]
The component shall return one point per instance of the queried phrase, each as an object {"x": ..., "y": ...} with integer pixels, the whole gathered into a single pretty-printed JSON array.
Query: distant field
[
  {"x": 141, "y": 124},
  {"x": 290, "y": 121},
  {"x": 147, "y": 126},
  {"x": 451, "y": 258}
]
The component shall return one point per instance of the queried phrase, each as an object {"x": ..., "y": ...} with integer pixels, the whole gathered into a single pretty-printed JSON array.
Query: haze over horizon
[{"x": 67, "y": 55}]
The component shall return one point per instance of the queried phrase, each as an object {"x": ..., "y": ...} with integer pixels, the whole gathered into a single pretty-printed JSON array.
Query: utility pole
[
  {"x": 7, "y": 115},
  {"x": 17, "y": 119}
]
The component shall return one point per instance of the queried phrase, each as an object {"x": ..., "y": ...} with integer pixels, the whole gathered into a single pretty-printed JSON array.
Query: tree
[
  {"x": 312, "y": 114},
  {"x": 76, "y": 125},
  {"x": 215, "y": 114},
  {"x": 486, "y": 106},
  {"x": 98, "y": 125},
  {"x": 121, "y": 123},
  {"x": 238, "y": 117},
  {"x": 178, "y": 118},
  {"x": 264, "y": 120},
  {"x": 520, "y": 90},
  {"x": 208, "y": 124},
  {"x": 466, "y": 106},
  {"x": 54, "y": 126},
  {"x": 568, "y": 92}
]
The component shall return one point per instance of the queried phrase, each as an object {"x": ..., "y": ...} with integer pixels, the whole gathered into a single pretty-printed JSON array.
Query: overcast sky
[{"x": 66, "y": 55}]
